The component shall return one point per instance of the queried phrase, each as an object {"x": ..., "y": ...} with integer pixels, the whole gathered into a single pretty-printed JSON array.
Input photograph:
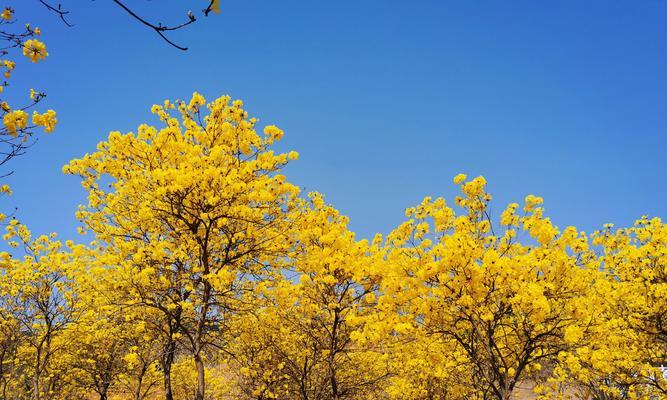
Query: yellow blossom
[
  {"x": 34, "y": 50},
  {"x": 15, "y": 121},
  {"x": 7, "y": 14},
  {"x": 47, "y": 120},
  {"x": 460, "y": 178}
]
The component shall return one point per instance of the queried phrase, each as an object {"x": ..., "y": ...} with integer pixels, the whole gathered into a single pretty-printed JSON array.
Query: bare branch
[
  {"x": 209, "y": 8},
  {"x": 159, "y": 28},
  {"x": 59, "y": 10}
]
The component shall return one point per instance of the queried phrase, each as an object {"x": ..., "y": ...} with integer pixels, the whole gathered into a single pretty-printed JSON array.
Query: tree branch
[
  {"x": 159, "y": 28},
  {"x": 61, "y": 13}
]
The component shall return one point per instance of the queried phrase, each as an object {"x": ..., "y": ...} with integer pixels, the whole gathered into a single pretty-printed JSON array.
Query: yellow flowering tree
[
  {"x": 10, "y": 340},
  {"x": 96, "y": 353},
  {"x": 195, "y": 214},
  {"x": 637, "y": 258},
  {"x": 39, "y": 291},
  {"x": 140, "y": 378},
  {"x": 298, "y": 343},
  {"x": 506, "y": 309},
  {"x": 623, "y": 356}
]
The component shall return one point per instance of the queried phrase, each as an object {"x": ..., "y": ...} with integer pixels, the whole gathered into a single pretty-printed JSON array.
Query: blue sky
[{"x": 384, "y": 101}]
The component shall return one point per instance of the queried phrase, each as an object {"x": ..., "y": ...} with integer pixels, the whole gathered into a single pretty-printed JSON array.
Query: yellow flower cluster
[
  {"x": 15, "y": 121},
  {"x": 47, "y": 120},
  {"x": 7, "y": 14},
  {"x": 34, "y": 50}
]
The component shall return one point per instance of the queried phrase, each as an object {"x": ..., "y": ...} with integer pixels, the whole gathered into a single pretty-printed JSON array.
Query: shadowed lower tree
[{"x": 40, "y": 292}]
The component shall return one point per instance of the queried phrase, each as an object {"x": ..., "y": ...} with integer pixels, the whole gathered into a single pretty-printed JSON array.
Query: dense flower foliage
[{"x": 208, "y": 275}]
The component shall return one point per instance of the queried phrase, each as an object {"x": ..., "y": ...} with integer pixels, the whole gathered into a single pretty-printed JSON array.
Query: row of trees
[
  {"x": 205, "y": 274},
  {"x": 209, "y": 276}
]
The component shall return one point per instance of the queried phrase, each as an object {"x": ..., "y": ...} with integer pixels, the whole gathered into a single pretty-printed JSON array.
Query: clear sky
[{"x": 384, "y": 100}]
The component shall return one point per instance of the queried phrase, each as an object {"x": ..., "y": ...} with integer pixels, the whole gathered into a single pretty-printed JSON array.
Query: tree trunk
[
  {"x": 140, "y": 381},
  {"x": 199, "y": 335},
  {"x": 201, "y": 383},
  {"x": 35, "y": 387},
  {"x": 167, "y": 361},
  {"x": 166, "y": 377},
  {"x": 332, "y": 354}
]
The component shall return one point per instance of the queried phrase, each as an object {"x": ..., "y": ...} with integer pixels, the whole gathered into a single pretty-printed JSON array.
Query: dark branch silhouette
[
  {"x": 58, "y": 10},
  {"x": 159, "y": 28},
  {"x": 209, "y": 8}
]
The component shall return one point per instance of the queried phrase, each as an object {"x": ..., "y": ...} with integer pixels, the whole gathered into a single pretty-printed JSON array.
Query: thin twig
[
  {"x": 209, "y": 8},
  {"x": 159, "y": 28},
  {"x": 58, "y": 11}
]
